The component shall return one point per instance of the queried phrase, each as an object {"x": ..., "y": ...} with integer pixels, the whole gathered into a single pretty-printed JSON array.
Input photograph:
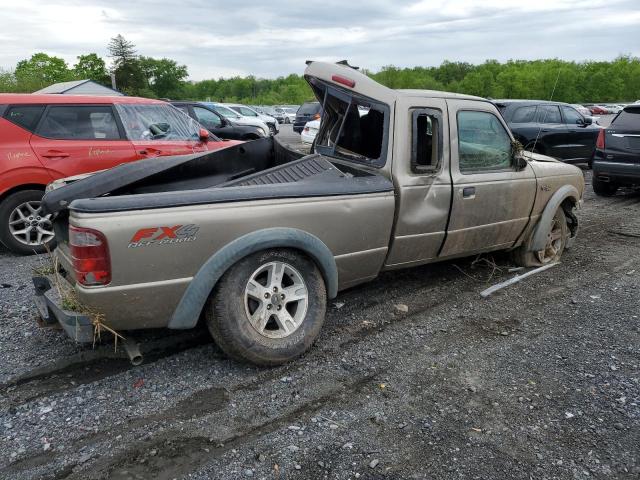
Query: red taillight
[
  {"x": 316, "y": 116},
  {"x": 600, "y": 140},
  {"x": 344, "y": 80},
  {"x": 306, "y": 129},
  {"x": 90, "y": 256}
]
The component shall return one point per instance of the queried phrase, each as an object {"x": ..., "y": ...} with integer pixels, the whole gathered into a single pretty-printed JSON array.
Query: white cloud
[{"x": 215, "y": 38}]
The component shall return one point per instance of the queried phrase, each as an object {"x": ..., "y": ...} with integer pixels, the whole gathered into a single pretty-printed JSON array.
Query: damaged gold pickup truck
[{"x": 254, "y": 240}]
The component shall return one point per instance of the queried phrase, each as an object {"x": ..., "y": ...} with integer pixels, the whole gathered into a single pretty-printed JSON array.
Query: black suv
[
  {"x": 616, "y": 160},
  {"x": 217, "y": 124},
  {"x": 561, "y": 131},
  {"x": 308, "y": 111}
]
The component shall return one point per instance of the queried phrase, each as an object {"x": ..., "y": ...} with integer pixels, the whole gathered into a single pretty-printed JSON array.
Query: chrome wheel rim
[
  {"x": 276, "y": 300},
  {"x": 554, "y": 244},
  {"x": 28, "y": 226}
]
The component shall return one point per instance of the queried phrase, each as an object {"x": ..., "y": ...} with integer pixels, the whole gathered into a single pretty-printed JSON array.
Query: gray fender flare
[
  {"x": 542, "y": 229},
  {"x": 194, "y": 298}
]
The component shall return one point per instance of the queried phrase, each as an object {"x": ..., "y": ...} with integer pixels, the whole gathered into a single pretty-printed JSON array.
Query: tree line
[{"x": 573, "y": 82}]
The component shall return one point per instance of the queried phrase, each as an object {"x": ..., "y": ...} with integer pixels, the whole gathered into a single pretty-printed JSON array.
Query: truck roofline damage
[{"x": 188, "y": 311}]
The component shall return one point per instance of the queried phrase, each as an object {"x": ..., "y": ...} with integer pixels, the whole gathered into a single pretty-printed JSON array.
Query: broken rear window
[{"x": 353, "y": 127}]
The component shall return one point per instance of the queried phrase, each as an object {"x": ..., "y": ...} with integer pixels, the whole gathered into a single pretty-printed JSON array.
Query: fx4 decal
[{"x": 164, "y": 235}]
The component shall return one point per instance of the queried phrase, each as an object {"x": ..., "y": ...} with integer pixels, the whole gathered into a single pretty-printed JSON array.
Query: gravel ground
[{"x": 414, "y": 376}]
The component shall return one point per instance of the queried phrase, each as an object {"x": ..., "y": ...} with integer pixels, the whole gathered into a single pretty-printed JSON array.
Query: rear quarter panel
[{"x": 151, "y": 278}]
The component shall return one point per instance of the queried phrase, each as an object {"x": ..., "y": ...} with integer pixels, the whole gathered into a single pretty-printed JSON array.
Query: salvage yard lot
[{"x": 539, "y": 380}]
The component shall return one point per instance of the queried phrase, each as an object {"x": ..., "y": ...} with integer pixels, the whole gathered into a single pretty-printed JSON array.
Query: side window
[
  {"x": 207, "y": 118},
  {"x": 25, "y": 116},
  {"x": 571, "y": 116},
  {"x": 549, "y": 114},
  {"x": 426, "y": 146},
  {"x": 183, "y": 108},
  {"x": 524, "y": 115},
  {"x": 483, "y": 143},
  {"x": 79, "y": 123}
]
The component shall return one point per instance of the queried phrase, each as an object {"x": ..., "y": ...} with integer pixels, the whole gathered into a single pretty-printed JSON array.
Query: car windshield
[
  {"x": 225, "y": 111},
  {"x": 156, "y": 122}
]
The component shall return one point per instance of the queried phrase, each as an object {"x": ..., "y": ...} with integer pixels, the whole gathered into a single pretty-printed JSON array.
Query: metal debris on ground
[{"x": 516, "y": 279}]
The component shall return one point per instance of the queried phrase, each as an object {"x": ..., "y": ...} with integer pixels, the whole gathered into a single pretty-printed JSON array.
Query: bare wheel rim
[
  {"x": 554, "y": 243},
  {"x": 276, "y": 300},
  {"x": 29, "y": 226}
]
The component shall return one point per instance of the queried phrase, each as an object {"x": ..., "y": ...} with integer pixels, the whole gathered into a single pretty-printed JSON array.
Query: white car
[
  {"x": 239, "y": 119},
  {"x": 249, "y": 112},
  {"x": 309, "y": 132},
  {"x": 288, "y": 114}
]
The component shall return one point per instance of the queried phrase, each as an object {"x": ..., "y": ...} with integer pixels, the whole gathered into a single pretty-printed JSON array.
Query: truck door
[
  {"x": 492, "y": 200},
  {"x": 74, "y": 139},
  {"x": 421, "y": 169}
]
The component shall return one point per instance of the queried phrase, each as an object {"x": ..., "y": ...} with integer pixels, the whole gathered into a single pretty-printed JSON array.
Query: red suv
[{"x": 46, "y": 137}]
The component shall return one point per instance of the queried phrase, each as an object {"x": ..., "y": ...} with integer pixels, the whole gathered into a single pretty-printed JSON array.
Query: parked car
[
  {"x": 287, "y": 114},
  {"x": 310, "y": 131},
  {"x": 598, "y": 110},
  {"x": 614, "y": 109},
  {"x": 248, "y": 112},
  {"x": 616, "y": 160},
  {"x": 235, "y": 117},
  {"x": 256, "y": 245},
  {"x": 308, "y": 111},
  {"x": 551, "y": 128},
  {"x": 45, "y": 137},
  {"x": 217, "y": 124},
  {"x": 584, "y": 111}
]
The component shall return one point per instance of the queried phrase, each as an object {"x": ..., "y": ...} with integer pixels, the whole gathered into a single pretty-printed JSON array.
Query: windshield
[
  {"x": 353, "y": 128},
  {"x": 309, "y": 108},
  {"x": 225, "y": 111},
  {"x": 157, "y": 122}
]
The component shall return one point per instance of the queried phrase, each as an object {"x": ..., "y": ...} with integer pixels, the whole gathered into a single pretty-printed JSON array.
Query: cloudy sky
[{"x": 274, "y": 37}]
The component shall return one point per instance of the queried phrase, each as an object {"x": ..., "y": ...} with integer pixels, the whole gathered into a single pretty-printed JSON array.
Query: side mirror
[
  {"x": 203, "y": 134},
  {"x": 587, "y": 121},
  {"x": 520, "y": 162}
]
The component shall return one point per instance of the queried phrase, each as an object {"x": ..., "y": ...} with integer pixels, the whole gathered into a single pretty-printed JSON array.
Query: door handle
[
  {"x": 150, "y": 152},
  {"x": 55, "y": 154},
  {"x": 468, "y": 192}
]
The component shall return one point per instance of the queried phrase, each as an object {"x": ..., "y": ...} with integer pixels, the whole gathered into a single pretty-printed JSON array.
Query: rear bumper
[
  {"x": 617, "y": 172},
  {"x": 49, "y": 304}
]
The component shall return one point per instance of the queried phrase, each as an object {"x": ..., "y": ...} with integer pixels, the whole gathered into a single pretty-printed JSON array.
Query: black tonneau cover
[{"x": 128, "y": 174}]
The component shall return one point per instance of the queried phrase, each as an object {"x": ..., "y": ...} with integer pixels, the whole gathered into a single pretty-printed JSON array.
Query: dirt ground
[{"x": 538, "y": 381}]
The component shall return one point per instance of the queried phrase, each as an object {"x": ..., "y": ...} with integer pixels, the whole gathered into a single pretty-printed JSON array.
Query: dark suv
[
  {"x": 551, "y": 128},
  {"x": 307, "y": 112},
  {"x": 616, "y": 160},
  {"x": 217, "y": 124}
]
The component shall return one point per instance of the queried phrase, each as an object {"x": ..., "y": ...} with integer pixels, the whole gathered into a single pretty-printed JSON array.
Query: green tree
[
  {"x": 40, "y": 71},
  {"x": 92, "y": 67},
  {"x": 163, "y": 76},
  {"x": 126, "y": 65}
]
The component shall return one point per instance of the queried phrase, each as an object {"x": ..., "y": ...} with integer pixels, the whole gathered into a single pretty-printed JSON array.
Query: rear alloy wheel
[
  {"x": 604, "y": 189},
  {"x": 278, "y": 313},
  {"x": 553, "y": 249},
  {"x": 24, "y": 228}
]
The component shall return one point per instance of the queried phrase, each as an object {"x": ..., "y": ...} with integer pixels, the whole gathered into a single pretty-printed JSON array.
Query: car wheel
[
  {"x": 268, "y": 308},
  {"x": 23, "y": 227},
  {"x": 552, "y": 251},
  {"x": 604, "y": 189}
]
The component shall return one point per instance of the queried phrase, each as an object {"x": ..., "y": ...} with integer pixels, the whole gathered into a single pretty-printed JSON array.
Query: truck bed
[{"x": 262, "y": 169}]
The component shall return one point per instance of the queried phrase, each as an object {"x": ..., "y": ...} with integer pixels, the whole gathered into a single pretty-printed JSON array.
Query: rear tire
[
  {"x": 268, "y": 308},
  {"x": 22, "y": 224},
  {"x": 604, "y": 189},
  {"x": 556, "y": 243}
]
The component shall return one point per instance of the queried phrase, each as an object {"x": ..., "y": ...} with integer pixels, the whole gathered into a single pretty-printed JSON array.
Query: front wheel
[
  {"x": 552, "y": 251},
  {"x": 268, "y": 308},
  {"x": 23, "y": 227}
]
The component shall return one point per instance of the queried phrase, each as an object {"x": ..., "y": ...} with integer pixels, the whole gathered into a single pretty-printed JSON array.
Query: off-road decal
[{"x": 164, "y": 235}]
